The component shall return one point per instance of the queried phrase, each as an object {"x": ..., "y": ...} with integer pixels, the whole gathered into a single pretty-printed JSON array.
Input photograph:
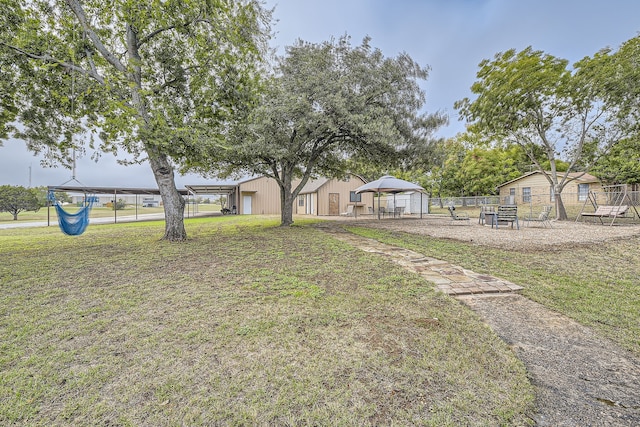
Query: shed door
[
  {"x": 334, "y": 203},
  {"x": 311, "y": 205},
  {"x": 246, "y": 205}
]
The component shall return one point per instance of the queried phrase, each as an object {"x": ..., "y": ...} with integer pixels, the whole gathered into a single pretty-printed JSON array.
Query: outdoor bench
[
  {"x": 506, "y": 214},
  {"x": 608, "y": 211}
]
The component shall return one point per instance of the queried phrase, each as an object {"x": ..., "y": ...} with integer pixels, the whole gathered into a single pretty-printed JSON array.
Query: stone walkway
[
  {"x": 581, "y": 379},
  {"x": 448, "y": 278}
]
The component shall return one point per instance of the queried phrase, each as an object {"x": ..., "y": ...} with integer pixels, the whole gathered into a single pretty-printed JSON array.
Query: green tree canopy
[
  {"x": 16, "y": 199},
  {"x": 483, "y": 169},
  {"x": 161, "y": 80},
  {"x": 621, "y": 165},
  {"x": 622, "y": 80},
  {"x": 467, "y": 166},
  {"x": 327, "y": 104},
  {"x": 622, "y": 84},
  {"x": 532, "y": 99}
]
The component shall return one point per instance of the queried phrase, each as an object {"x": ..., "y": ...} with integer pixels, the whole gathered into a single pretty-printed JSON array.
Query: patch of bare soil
[{"x": 581, "y": 379}]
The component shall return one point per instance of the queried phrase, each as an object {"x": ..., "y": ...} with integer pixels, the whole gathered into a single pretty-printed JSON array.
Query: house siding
[
  {"x": 540, "y": 189},
  {"x": 264, "y": 193},
  {"x": 309, "y": 205},
  {"x": 265, "y": 196},
  {"x": 344, "y": 189}
]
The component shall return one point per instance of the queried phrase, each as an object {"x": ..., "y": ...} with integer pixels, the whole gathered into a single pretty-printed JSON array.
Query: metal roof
[
  {"x": 313, "y": 185},
  {"x": 211, "y": 188},
  {"x": 190, "y": 189},
  {"x": 111, "y": 190}
]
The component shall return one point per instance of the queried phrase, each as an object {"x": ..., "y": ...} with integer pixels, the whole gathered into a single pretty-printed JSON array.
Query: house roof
[
  {"x": 578, "y": 176},
  {"x": 252, "y": 178},
  {"x": 313, "y": 185}
]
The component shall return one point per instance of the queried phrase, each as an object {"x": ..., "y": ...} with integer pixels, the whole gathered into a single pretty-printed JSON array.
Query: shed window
[
  {"x": 353, "y": 197},
  {"x": 300, "y": 200},
  {"x": 583, "y": 191},
  {"x": 526, "y": 194}
]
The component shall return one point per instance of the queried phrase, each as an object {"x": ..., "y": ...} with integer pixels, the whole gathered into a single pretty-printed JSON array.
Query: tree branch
[
  {"x": 151, "y": 35},
  {"x": 52, "y": 60},
  {"x": 148, "y": 38},
  {"x": 77, "y": 9}
]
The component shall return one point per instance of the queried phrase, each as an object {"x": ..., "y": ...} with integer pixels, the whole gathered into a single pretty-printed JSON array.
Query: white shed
[{"x": 410, "y": 201}]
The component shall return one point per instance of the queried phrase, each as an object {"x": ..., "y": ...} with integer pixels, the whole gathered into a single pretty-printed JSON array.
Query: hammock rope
[{"x": 73, "y": 224}]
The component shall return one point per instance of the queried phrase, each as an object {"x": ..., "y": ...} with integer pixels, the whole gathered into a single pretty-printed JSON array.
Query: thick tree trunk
[
  {"x": 286, "y": 204},
  {"x": 561, "y": 212},
  {"x": 173, "y": 202}
]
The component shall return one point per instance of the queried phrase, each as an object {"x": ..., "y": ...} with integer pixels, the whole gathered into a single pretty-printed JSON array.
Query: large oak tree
[
  {"x": 325, "y": 105},
  {"x": 161, "y": 80},
  {"x": 534, "y": 100}
]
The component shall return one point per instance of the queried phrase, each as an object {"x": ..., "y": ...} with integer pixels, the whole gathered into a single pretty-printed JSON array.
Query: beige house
[
  {"x": 320, "y": 197},
  {"x": 533, "y": 188}
]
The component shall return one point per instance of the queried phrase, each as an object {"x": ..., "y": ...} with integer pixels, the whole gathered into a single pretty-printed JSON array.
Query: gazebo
[{"x": 389, "y": 184}]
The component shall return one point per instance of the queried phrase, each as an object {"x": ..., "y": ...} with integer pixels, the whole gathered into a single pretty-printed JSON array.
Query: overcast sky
[{"x": 450, "y": 36}]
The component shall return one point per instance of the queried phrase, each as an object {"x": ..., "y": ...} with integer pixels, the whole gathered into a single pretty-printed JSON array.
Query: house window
[
  {"x": 583, "y": 192},
  {"x": 511, "y": 198},
  {"x": 526, "y": 194},
  {"x": 300, "y": 200},
  {"x": 353, "y": 197}
]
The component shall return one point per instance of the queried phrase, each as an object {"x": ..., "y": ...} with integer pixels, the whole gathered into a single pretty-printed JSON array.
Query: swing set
[{"x": 617, "y": 204}]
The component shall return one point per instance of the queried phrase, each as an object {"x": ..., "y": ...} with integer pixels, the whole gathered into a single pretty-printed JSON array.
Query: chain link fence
[{"x": 574, "y": 203}]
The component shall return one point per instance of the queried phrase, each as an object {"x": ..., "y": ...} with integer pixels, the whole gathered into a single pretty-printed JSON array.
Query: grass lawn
[
  {"x": 246, "y": 323},
  {"x": 598, "y": 285}
]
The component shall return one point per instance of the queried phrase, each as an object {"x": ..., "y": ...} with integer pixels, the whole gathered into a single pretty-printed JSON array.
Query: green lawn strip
[
  {"x": 598, "y": 285},
  {"x": 245, "y": 323}
]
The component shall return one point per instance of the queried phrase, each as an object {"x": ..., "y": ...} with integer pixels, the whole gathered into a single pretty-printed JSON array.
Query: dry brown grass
[{"x": 245, "y": 324}]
